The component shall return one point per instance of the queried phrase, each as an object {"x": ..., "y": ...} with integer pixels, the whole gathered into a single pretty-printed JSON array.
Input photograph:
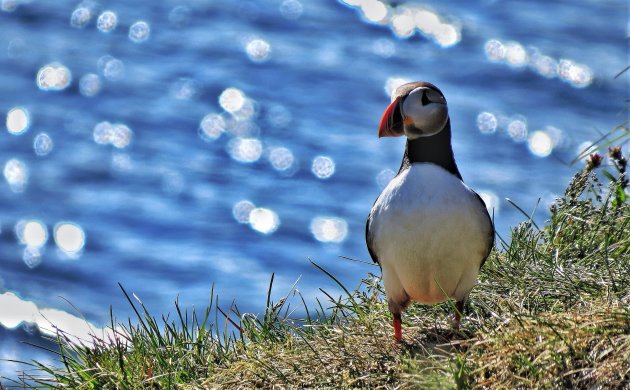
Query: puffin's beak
[{"x": 388, "y": 128}]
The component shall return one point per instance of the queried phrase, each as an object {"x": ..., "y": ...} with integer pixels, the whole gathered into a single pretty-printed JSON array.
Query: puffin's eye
[{"x": 425, "y": 98}]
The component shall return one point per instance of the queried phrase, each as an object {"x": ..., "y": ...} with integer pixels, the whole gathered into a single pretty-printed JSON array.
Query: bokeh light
[
  {"x": 53, "y": 77},
  {"x": 374, "y": 11},
  {"x": 540, "y": 144},
  {"x": 69, "y": 237},
  {"x": 487, "y": 122},
  {"x": 245, "y": 150},
  {"x": 16, "y": 174},
  {"x": 263, "y": 220},
  {"x": 258, "y": 50},
  {"x": 180, "y": 15},
  {"x": 32, "y": 256},
  {"x": 184, "y": 89},
  {"x": 80, "y": 17},
  {"x": 291, "y": 9},
  {"x": 232, "y": 99},
  {"x": 18, "y": 120},
  {"x": 517, "y": 130},
  {"x": 139, "y": 32},
  {"x": 211, "y": 127},
  {"x": 323, "y": 167},
  {"x": 515, "y": 55},
  {"x": 107, "y": 21},
  {"x": 90, "y": 85},
  {"x": 112, "y": 68},
  {"x": 281, "y": 159},
  {"x": 31, "y": 233},
  {"x": 119, "y": 135},
  {"x": 241, "y": 211},
  {"x": 329, "y": 229},
  {"x": 43, "y": 144}
]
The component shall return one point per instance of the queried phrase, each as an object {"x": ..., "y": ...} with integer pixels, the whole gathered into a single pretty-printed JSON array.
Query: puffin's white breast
[{"x": 430, "y": 233}]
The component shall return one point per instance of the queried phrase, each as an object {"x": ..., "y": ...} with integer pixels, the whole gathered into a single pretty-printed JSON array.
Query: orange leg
[
  {"x": 397, "y": 327},
  {"x": 459, "y": 310}
]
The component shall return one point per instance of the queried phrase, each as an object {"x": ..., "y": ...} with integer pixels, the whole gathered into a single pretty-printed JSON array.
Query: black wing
[
  {"x": 491, "y": 238},
  {"x": 368, "y": 240}
]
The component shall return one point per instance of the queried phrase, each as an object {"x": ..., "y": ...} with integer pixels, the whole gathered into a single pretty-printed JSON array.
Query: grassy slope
[{"x": 552, "y": 309}]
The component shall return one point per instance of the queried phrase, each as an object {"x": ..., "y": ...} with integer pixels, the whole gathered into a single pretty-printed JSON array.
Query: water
[{"x": 171, "y": 145}]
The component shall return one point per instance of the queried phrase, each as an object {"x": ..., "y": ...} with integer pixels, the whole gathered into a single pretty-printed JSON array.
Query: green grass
[{"x": 551, "y": 310}]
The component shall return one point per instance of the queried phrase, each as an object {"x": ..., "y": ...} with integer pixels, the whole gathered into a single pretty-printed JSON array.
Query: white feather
[{"x": 430, "y": 233}]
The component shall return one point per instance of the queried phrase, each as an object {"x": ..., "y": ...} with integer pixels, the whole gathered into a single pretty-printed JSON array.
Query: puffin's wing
[
  {"x": 368, "y": 240},
  {"x": 491, "y": 237}
]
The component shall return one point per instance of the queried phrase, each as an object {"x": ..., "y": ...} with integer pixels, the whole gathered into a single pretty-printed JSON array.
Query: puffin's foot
[{"x": 397, "y": 327}]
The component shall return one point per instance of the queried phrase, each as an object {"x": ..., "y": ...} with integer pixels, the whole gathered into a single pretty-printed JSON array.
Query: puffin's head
[{"x": 417, "y": 110}]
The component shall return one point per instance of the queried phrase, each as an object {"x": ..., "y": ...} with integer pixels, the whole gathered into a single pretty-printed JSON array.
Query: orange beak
[{"x": 387, "y": 127}]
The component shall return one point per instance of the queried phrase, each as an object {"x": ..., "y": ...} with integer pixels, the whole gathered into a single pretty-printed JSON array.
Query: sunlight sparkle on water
[
  {"x": 495, "y": 50},
  {"x": 323, "y": 167},
  {"x": 119, "y": 135},
  {"x": 577, "y": 75},
  {"x": 18, "y": 120},
  {"x": 139, "y": 31},
  {"x": 211, "y": 127},
  {"x": 374, "y": 11},
  {"x": 107, "y": 21},
  {"x": 31, "y": 233},
  {"x": 403, "y": 24},
  {"x": 291, "y": 9},
  {"x": 231, "y": 99},
  {"x": 540, "y": 144},
  {"x": 69, "y": 237},
  {"x": 517, "y": 130},
  {"x": 487, "y": 122},
  {"x": 184, "y": 89},
  {"x": 514, "y": 54},
  {"x": 263, "y": 220},
  {"x": 329, "y": 229},
  {"x": 90, "y": 85},
  {"x": 281, "y": 159},
  {"x": 32, "y": 256},
  {"x": 80, "y": 17},
  {"x": 384, "y": 47},
  {"x": 112, "y": 68},
  {"x": 241, "y": 211},
  {"x": 43, "y": 144},
  {"x": 53, "y": 77},
  {"x": 180, "y": 15},
  {"x": 246, "y": 150},
  {"x": 16, "y": 174},
  {"x": 258, "y": 50}
]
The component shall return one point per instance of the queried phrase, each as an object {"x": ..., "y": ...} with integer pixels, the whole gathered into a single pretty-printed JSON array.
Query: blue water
[{"x": 111, "y": 173}]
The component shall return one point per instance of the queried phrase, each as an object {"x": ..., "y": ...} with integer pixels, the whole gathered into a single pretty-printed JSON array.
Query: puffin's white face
[
  {"x": 417, "y": 110},
  {"x": 424, "y": 113}
]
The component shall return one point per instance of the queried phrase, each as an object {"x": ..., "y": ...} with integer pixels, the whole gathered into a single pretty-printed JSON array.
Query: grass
[{"x": 551, "y": 310}]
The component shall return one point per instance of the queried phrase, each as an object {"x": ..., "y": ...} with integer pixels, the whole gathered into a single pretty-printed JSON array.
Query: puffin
[{"x": 428, "y": 231}]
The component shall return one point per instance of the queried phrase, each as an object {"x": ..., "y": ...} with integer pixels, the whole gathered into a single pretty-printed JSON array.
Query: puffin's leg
[
  {"x": 396, "y": 309},
  {"x": 397, "y": 327},
  {"x": 459, "y": 310}
]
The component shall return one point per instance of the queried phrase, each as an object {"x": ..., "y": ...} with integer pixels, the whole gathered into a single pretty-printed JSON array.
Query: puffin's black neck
[{"x": 435, "y": 149}]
